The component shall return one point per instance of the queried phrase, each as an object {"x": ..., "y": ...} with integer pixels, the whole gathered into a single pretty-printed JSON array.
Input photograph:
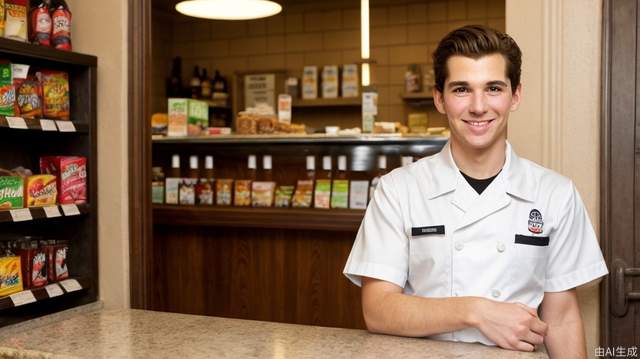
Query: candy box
[
  {"x": 72, "y": 177},
  {"x": 11, "y": 192},
  {"x": 40, "y": 190},
  {"x": 10, "y": 275}
]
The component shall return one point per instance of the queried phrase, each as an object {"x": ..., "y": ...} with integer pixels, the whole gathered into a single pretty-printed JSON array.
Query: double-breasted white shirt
[{"x": 428, "y": 231}]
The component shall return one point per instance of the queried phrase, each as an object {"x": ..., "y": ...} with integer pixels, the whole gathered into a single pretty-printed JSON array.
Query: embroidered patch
[{"x": 535, "y": 221}]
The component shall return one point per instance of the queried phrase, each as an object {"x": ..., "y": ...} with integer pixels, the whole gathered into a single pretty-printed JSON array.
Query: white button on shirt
[{"x": 526, "y": 234}]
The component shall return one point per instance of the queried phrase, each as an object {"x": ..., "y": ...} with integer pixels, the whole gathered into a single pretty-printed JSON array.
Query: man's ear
[
  {"x": 516, "y": 97},
  {"x": 438, "y": 100}
]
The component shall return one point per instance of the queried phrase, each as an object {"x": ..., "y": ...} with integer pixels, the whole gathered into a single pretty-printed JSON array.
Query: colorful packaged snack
[
  {"x": 7, "y": 90},
  {"x": 10, "y": 275},
  {"x": 61, "y": 27},
  {"x": 57, "y": 255},
  {"x": 40, "y": 30},
  {"x": 224, "y": 192},
  {"x": 262, "y": 194},
  {"x": 34, "y": 264},
  {"x": 304, "y": 194},
  {"x": 322, "y": 193},
  {"x": 55, "y": 94},
  {"x": 11, "y": 192},
  {"x": 16, "y": 20},
  {"x": 29, "y": 99},
  {"x": 40, "y": 190},
  {"x": 283, "y": 196},
  {"x": 72, "y": 177},
  {"x": 340, "y": 194},
  {"x": 242, "y": 193}
]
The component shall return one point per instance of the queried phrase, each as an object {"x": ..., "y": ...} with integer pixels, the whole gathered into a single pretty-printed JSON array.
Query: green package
[
  {"x": 340, "y": 194},
  {"x": 198, "y": 114},
  {"x": 322, "y": 194},
  {"x": 11, "y": 192},
  {"x": 7, "y": 91},
  {"x": 283, "y": 196}
]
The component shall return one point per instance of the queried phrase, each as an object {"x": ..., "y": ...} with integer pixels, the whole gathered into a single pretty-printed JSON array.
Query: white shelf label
[
  {"x": 17, "y": 122},
  {"x": 22, "y": 298},
  {"x": 48, "y": 125},
  {"x": 65, "y": 126},
  {"x": 70, "y": 285},
  {"x": 70, "y": 209},
  {"x": 53, "y": 290},
  {"x": 52, "y": 211},
  {"x": 22, "y": 214}
]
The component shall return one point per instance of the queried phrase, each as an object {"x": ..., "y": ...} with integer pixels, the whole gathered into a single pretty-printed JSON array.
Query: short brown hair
[{"x": 475, "y": 41}]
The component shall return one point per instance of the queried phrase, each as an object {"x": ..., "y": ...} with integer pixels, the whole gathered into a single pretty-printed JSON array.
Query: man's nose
[{"x": 478, "y": 103}]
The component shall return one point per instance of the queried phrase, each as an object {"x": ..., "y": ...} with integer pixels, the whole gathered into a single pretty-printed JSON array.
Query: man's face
[{"x": 477, "y": 99}]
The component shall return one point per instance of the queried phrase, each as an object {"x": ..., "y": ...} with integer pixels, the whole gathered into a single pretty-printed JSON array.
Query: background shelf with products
[{"x": 25, "y": 147}]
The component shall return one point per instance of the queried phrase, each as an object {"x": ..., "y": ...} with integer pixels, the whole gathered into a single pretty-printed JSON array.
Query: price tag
[
  {"x": 22, "y": 298},
  {"x": 70, "y": 209},
  {"x": 48, "y": 125},
  {"x": 17, "y": 122},
  {"x": 22, "y": 214},
  {"x": 70, "y": 285},
  {"x": 53, "y": 290},
  {"x": 65, "y": 126},
  {"x": 52, "y": 211}
]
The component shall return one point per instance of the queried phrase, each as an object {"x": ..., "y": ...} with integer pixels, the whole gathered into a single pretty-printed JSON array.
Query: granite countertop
[{"x": 147, "y": 334}]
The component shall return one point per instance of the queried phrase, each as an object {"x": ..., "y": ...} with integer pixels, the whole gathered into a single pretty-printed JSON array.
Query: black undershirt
[{"x": 479, "y": 184}]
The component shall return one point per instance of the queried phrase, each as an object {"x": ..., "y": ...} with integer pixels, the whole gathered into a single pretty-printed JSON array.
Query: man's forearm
[{"x": 566, "y": 340}]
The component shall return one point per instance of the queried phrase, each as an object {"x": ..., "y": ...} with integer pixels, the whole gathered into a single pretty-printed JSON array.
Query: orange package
[
  {"x": 40, "y": 190},
  {"x": 55, "y": 93}
]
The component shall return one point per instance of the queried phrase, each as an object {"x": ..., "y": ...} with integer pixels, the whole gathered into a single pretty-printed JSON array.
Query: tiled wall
[{"x": 323, "y": 33}]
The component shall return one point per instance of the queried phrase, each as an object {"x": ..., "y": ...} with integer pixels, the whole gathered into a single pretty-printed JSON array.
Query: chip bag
[{"x": 55, "y": 93}]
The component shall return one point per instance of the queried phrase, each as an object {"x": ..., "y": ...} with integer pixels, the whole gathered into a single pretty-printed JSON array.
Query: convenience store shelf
[
  {"x": 39, "y": 213},
  {"x": 42, "y": 293},
  {"x": 284, "y": 218},
  {"x": 44, "y": 125},
  {"x": 328, "y": 102},
  {"x": 32, "y": 52}
]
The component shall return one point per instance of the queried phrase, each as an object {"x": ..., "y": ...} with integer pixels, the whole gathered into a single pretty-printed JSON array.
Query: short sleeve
[
  {"x": 575, "y": 257},
  {"x": 381, "y": 248}
]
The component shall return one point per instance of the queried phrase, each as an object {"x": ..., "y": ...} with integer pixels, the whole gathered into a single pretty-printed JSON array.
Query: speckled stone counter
[{"x": 147, "y": 334}]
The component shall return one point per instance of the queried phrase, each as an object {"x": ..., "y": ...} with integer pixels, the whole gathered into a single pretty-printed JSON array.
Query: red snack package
[
  {"x": 61, "y": 19},
  {"x": 40, "y": 30},
  {"x": 28, "y": 98},
  {"x": 57, "y": 256},
  {"x": 34, "y": 264},
  {"x": 72, "y": 177}
]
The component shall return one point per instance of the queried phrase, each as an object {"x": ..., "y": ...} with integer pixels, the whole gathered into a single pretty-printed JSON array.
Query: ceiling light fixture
[{"x": 228, "y": 9}]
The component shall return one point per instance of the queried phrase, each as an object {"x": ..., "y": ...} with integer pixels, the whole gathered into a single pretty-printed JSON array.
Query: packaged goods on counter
[
  {"x": 322, "y": 193},
  {"x": 242, "y": 193},
  {"x": 40, "y": 190},
  {"x": 310, "y": 82},
  {"x": 330, "y": 81},
  {"x": 34, "y": 263},
  {"x": 284, "y": 108},
  {"x": 40, "y": 29},
  {"x": 369, "y": 110},
  {"x": 350, "y": 82},
  {"x": 61, "y": 26},
  {"x": 187, "y": 117},
  {"x": 340, "y": 194},
  {"x": 159, "y": 124},
  {"x": 10, "y": 271},
  {"x": 29, "y": 98},
  {"x": 7, "y": 90},
  {"x": 11, "y": 192},
  {"x": 418, "y": 122},
  {"x": 16, "y": 20},
  {"x": 55, "y": 92},
  {"x": 262, "y": 193},
  {"x": 72, "y": 177},
  {"x": 283, "y": 196},
  {"x": 187, "y": 191},
  {"x": 358, "y": 192},
  {"x": 57, "y": 252},
  {"x": 303, "y": 195},
  {"x": 224, "y": 192}
]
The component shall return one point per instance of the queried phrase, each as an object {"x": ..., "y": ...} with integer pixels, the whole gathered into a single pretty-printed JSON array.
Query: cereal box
[
  {"x": 40, "y": 190},
  {"x": 72, "y": 177},
  {"x": 11, "y": 192}
]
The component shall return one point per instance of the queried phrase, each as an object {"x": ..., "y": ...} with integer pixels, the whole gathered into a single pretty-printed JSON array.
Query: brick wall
[{"x": 325, "y": 33}]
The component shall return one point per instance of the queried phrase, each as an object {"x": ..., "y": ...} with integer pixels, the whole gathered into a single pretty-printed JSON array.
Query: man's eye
[
  {"x": 494, "y": 89},
  {"x": 460, "y": 90}
]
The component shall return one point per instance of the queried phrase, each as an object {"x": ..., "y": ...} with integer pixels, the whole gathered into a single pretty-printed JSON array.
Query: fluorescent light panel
[
  {"x": 364, "y": 29},
  {"x": 228, "y": 9}
]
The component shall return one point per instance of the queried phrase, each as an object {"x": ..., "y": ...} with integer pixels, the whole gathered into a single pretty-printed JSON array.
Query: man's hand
[{"x": 510, "y": 325}]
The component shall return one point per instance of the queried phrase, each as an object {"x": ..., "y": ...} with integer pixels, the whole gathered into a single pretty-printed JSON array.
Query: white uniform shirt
[{"x": 526, "y": 234}]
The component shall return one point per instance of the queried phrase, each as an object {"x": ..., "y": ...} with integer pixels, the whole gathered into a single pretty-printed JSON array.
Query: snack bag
[
  {"x": 262, "y": 194},
  {"x": 224, "y": 192},
  {"x": 29, "y": 99},
  {"x": 16, "y": 20},
  {"x": 55, "y": 93},
  {"x": 7, "y": 91},
  {"x": 303, "y": 195},
  {"x": 41, "y": 190},
  {"x": 340, "y": 194},
  {"x": 72, "y": 177},
  {"x": 322, "y": 194},
  {"x": 242, "y": 193},
  {"x": 10, "y": 275},
  {"x": 283, "y": 196},
  {"x": 11, "y": 192},
  {"x": 57, "y": 255}
]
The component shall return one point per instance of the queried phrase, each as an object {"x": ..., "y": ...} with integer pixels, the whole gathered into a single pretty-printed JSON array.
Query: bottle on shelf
[
  {"x": 267, "y": 170},
  {"x": 219, "y": 87},
  {"x": 242, "y": 192},
  {"x": 188, "y": 184},
  {"x": 195, "y": 83},
  {"x": 205, "y": 85},
  {"x": 382, "y": 170},
  {"x": 322, "y": 194},
  {"x": 340, "y": 185},
  {"x": 172, "y": 182},
  {"x": 174, "y": 82},
  {"x": 262, "y": 192},
  {"x": 61, "y": 25},
  {"x": 205, "y": 187},
  {"x": 157, "y": 185},
  {"x": 303, "y": 194},
  {"x": 40, "y": 30}
]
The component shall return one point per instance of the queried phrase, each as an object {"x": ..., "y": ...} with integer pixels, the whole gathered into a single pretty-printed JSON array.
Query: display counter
[{"x": 146, "y": 334}]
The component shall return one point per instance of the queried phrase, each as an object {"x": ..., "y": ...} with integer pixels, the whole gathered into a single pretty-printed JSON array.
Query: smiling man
[{"x": 476, "y": 244}]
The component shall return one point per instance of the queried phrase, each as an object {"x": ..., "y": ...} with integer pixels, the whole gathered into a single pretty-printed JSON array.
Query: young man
[{"x": 472, "y": 243}]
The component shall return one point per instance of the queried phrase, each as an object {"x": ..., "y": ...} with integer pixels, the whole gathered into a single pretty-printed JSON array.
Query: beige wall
[
  {"x": 99, "y": 28},
  {"x": 325, "y": 33},
  {"x": 558, "y": 123}
]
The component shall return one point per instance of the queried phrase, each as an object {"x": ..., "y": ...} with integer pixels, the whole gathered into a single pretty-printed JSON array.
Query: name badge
[{"x": 425, "y": 231}]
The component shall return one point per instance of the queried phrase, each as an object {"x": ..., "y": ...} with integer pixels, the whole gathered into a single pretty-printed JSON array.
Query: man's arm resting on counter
[
  {"x": 565, "y": 338},
  {"x": 388, "y": 311}
]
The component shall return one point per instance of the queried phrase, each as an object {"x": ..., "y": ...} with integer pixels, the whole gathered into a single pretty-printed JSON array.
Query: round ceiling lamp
[{"x": 228, "y": 9}]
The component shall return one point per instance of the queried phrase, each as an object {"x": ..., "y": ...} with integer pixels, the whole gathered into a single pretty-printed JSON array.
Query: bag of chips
[{"x": 55, "y": 94}]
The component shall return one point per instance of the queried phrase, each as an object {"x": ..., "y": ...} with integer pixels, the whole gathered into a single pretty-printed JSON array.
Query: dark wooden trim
[
  {"x": 247, "y": 217},
  {"x": 605, "y": 169},
  {"x": 37, "y": 213},
  {"x": 6, "y": 304},
  {"x": 48, "y": 54},
  {"x": 139, "y": 153}
]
